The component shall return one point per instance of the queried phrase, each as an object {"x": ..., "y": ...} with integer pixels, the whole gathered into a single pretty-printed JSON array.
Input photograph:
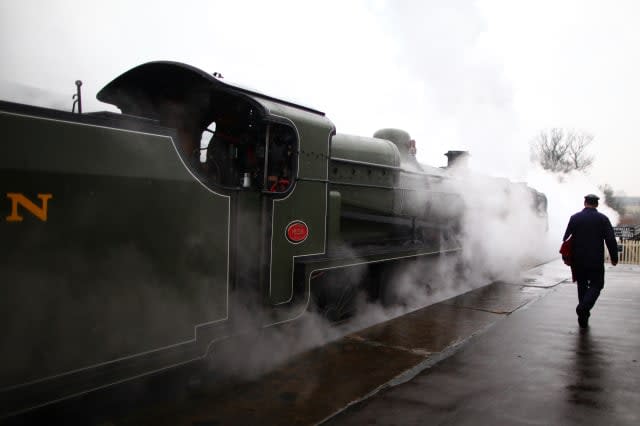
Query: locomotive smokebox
[{"x": 457, "y": 159}]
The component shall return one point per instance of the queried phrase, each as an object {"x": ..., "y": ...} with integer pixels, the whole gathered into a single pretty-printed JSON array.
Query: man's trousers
[{"x": 590, "y": 282}]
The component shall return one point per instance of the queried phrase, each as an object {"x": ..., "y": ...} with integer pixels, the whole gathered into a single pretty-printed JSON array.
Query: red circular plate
[{"x": 297, "y": 232}]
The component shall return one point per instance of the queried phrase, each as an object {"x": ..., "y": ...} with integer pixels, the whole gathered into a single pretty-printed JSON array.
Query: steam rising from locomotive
[{"x": 205, "y": 209}]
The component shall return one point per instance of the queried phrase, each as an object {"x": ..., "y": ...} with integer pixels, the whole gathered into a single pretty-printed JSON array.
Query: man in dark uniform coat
[{"x": 588, "y": 229}]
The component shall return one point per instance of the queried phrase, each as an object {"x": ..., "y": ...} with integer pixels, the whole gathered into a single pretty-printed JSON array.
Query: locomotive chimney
[{"x": 457, "y": 158}]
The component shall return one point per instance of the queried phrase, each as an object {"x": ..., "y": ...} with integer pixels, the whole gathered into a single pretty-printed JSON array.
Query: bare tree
[{"x": 562, "y": 150}]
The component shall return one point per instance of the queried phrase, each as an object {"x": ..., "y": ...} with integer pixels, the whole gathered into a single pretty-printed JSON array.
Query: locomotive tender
[{"x": 133, "y": 242}]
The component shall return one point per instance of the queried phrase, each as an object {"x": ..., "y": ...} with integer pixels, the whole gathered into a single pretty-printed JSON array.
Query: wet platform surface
[
  {"x": 534, "y": 367},
  {"x": 507, "y": 353}
]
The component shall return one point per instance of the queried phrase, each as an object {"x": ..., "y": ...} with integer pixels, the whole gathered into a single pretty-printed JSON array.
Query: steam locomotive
[{"x": 132, "y": 242}]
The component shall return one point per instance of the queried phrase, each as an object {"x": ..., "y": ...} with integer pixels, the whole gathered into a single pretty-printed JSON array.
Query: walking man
[{"x": 588, "y": 229}]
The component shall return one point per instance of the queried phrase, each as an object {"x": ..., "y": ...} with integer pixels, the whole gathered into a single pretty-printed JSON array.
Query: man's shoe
[
  {"x": 583, "y": 321},
  {"x": 583, "y": 318}
]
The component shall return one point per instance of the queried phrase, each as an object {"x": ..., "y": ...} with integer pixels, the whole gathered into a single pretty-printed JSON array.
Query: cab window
[
  {"x": 279, "y": 170},
  {"x": 258, "y": 158}
]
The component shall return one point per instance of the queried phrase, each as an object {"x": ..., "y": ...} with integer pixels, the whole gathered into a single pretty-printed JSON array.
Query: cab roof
[{"x": 173, "y": 80}]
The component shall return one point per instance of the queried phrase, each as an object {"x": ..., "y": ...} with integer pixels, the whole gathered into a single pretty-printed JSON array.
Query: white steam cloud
[{"x": 565, "y": 194}]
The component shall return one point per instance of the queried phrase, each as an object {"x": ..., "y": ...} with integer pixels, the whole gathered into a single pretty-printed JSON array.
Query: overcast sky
[{"x": 485, "y": 76}]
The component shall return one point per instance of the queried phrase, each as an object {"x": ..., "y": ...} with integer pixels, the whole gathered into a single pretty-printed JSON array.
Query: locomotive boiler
[{"x": 132, "y": 242}]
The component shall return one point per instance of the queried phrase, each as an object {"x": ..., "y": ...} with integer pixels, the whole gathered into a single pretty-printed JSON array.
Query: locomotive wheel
[
  {"x": 335, "y": 295},
  {"x": 345, "y": 305}
]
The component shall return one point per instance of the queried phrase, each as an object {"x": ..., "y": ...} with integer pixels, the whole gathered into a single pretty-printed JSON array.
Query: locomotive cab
[
  {"x": 223, "y": 135},
  {"x": 269, "y": 156}
]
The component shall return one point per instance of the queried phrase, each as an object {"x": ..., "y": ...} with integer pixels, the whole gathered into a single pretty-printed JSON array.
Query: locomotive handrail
[
  {"x": 363, "y": 185},
  {"x": 384, "y": 166},
  {"x": 413, "y": 172},
  {"x": 365, "y": 163}
]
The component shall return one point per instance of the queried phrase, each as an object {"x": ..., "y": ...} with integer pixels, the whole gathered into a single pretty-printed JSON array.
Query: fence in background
[{"x": 630, "y": 253}]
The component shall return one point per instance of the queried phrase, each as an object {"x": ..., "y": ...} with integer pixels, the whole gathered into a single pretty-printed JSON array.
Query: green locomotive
[{"x": 132, "y": 242}]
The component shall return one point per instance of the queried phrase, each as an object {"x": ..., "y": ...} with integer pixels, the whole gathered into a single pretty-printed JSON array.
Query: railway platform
[{"x": 535, "y": 367}]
